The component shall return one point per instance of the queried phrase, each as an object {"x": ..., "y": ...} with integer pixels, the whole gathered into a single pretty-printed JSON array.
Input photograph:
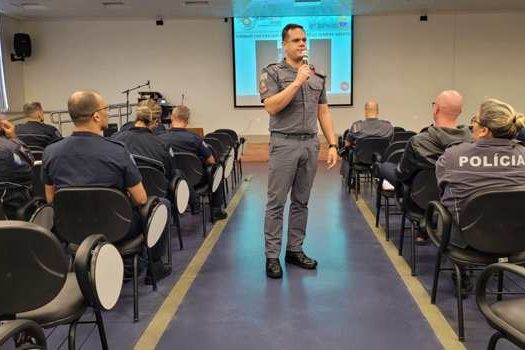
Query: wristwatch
[{"x": 332, "y": 145}]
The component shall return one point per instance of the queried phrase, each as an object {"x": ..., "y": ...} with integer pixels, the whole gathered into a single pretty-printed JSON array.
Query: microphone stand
[{"x": 127, "y": 91}]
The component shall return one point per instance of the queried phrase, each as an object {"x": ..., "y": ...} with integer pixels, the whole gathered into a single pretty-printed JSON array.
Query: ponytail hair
[{"x": 501, "y": 119}]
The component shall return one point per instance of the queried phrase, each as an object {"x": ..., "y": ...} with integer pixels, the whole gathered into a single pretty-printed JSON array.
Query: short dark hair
[
  {"x": 288, "y": 27},
  {"x": 31, "y": 107},
  {"x": 82, "y": 104}
]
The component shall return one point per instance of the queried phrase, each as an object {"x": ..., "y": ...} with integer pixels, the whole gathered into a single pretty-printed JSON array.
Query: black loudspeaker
[{"x": 22, "y": 46}]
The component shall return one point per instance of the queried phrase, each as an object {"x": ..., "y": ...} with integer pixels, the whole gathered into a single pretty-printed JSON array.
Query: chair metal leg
[
  {"x": 135, "y": 288},
  {"x": 224, "y": 192},
  {"x": 402, "y": 235},
  {"x": 459, "y": 298},
  {"x": 378, "y": 203},
  {"x": 179, "y": 233},
  {"x": 387, "y": 218},
  {"x": 413, "y": 248},
  {"x": 437, "y": 270},
  {"x": 170, "y": 225},
  {"x": 493, "y": 340},
  {"x": 499, "y": 297},
  {"x": 71, "y": 339},
  {"x": 150, "y": 269},
  {"x": 101, "y": 330},
  {"x": 203, "y": 215}
]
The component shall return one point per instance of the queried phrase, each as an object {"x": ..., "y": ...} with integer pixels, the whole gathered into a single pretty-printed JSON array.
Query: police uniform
[
  {"x": 37, "y": 134},
  {"x": 88, "y": 159},
  {"x": 294, "y": 150},
  {"x": 468, "y": 167},
  {"x": 181, "y": 140},
  {"x": 16, "y": 175},
  {"x": 142, "y": 142}
]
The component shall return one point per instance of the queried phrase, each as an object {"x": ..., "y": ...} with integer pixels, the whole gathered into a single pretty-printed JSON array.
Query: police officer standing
[{"x": 294, "y": 95}]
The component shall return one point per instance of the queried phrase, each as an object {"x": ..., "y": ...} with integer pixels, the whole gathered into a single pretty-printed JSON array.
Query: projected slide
[{"x": 257, "y": 43}]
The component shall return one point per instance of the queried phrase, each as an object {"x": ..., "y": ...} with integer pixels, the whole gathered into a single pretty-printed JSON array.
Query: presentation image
[{"x": 257, "y": 43}]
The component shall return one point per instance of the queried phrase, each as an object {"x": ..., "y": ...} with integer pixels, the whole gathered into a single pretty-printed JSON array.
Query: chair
[
  {"x": 239, "y": 142},
  {"x": 204, "y": 182},
  {"x": 82, "y": 211},
  {"x": 363, "y": 157},
  {"x": 38, "y": 185},
  {"x": 392, "y": 155},
  {"x": 398, "y": 129},
  {"x": 489, "y": 240},
  {"x": 223, "y": 155},
  {"x": 413, "y": 198},
  {"x": 26, "y": 334},
  {"x": 35, "y": 141},
  {"x": 156, "y": 184},
  {"x": 506, "y": 317},
  {"x": 229, "y": 163},
  {"x": 37, "y": 286},
  {"x": 402, "y": 136},
  {"x": 36, "y": 151}
]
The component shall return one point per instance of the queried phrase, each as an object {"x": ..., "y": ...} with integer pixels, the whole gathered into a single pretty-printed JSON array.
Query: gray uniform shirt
[
  {"x": 468, "y": 167},
  {"x": 300, "y": 116}
]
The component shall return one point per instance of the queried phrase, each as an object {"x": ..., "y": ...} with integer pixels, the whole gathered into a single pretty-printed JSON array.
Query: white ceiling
[{"x": 227, "y": 8}]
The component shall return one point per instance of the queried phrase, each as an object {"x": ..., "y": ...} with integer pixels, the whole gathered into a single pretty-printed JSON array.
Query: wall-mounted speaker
[{"x": 22, "y": 47}]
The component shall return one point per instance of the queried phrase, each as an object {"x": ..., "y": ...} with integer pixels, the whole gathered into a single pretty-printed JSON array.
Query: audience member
[
  {"x": 371, "y": 126},
  {"x": 182, "y": 140},
  {"x": 88, "y": 159},
  {"x": 35, "y": 132},
  {"x": 495, "y": 159},
  {"x": 16, "y": 174}
]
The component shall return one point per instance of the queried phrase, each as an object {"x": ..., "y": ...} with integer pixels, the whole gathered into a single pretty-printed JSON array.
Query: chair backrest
[
  {"x": 367, "y": 147},
  {"x": 232, "y": 133},
  {"x": 219, "y": 149},
  {"x": 33, "y": 267},
  {"x": 192, "y": 168},
  {"x": 38, "y": 185},
  {"x": 398, "y": 129},
  {"x": 154, "y": 181},
  {"x": 100, "y": 270},
  {"x": 394, "y": 157},
  {"x": 491, "y": 221},
  {"x": 34, "y": 140},
  {"x": 423, "y": 188},
  {"x": 146, "y": 161},
  {"x": 394, "y": 146},
  {"x": 3, "y": 215},
  {"x": 225, "y": 139},
  {"x": 402, "y": 136},
  {"x": 83, "y": 211}
]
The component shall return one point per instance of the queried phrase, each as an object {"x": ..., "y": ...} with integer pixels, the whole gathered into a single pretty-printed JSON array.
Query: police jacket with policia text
[
  {"x": 300, "y": 115},
  {"x": 423, "y": 150},
  {"x": 468, "y": 167}
]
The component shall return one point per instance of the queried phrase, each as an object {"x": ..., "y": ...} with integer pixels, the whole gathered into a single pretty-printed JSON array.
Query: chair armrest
[
  {"x": 376, "y": 157},
  {"x": 179, "y": 193},
  {"x": 439, "y": 235},
  {"x": 25, "y": 212},
  {"x": 31, "y": 329},
  {"x": 155, "y": 216},
  {"x": 481, "y": 297}
]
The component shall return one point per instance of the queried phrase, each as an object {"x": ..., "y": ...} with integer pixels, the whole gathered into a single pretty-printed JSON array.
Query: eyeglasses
[{"x": 101, "y": 109}]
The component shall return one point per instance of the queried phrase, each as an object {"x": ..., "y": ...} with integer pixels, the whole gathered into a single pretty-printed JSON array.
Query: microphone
[{"x": 305, "y": 57}]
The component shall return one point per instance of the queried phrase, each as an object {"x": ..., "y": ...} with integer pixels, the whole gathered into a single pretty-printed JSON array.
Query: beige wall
[{"x": 399, "y": 61}]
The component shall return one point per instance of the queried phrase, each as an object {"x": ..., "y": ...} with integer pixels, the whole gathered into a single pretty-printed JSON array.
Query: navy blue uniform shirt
[
  {"x": 181, "y": 140},
  {"x": 88, "y": 159},
  {"x": 37, "y": 134},
  {"x": 142, "y": 142}
]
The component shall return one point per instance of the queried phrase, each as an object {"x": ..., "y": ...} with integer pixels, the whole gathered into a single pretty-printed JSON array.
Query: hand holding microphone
[{"x": 304, "y": 72}]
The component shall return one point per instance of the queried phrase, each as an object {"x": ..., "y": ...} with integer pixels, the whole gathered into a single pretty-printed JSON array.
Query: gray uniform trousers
[{"x": 293, "y": 164}]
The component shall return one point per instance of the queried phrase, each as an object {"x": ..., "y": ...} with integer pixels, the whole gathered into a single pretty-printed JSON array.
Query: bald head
[
  {"x": 448, "y": 104},
  {"x": 82, "y": 104},
  {"x": 371, "y": 109}
]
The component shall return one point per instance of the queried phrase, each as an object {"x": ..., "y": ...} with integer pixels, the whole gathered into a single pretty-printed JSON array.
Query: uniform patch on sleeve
[{"x": 263, "y": 83}]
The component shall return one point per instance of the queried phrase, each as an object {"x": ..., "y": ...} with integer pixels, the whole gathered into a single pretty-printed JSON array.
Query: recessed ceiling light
[
  {"x": 112, "y": 4},
  {"x": 196, "y": 3},
  {"x": 31, "y": 6}
]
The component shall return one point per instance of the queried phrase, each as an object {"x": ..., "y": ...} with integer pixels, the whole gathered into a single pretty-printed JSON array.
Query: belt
[{"x": 293, "y": 136}]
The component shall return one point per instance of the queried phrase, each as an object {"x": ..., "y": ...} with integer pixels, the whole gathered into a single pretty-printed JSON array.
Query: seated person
[
  {"x": 35, "y": 132},
  {"x": 141, "y": 141},
  {"x": 16, "y": 174},
  {"x": 372, "y": 126},
  {"x": 181, "y": 140},
  {"x": 462, "y": 169},
  {"x": 423, "y": 149},
  {"x": 88, "y": 159}
]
